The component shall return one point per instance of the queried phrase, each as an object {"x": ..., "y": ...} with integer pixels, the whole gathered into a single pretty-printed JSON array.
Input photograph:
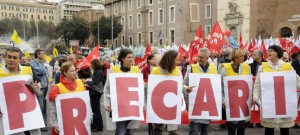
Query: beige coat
[{"x": 272, "y": 122}]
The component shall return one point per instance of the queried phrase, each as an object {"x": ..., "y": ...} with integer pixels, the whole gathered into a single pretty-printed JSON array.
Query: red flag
[
  {"x": 289, "y": 46},
  {"x": 195, "y": 45},
  {"x": 93, "y": 55},
  {"x": 148, "y": 51},
  {"x": 216, "y": 40},
  {"x": 250, "y": 46},
  {"x": 245, "y": 47},
  {"x": 241, "y": 39},
  {"x": 295, "y": 49},
  {"x": 263, "y": 48},
  {"x": 283, "y": 42},
  {"x": 181, "y": 52},
  {"x": 142, "y": 62}
]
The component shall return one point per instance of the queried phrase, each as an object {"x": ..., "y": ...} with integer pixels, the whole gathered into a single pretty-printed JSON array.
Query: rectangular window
[
  {"x": 172, "y": 34},
  {"x": 123, "y": 22},
  {"x": 130, "y": 40},
  {"x": 123, "y": 40},
  {"x": 172, "y": 14},
  {"x": 151, "y": 37},
  {"x": 138, "y": 3},
  {"x": 129, "y": 5},
  {"x": 139, "y": 20},
  {"x": 207, "y": 30},
  {"x": 194, "y": 12},
  {"x": 107, "y": 11},
  {"x": 130, "y": 22},
  {"x": 122, "y": 6},
  {"x": 139, "y": 38},
  {"x": 208, "y": 11},
  {"x": 115, "y": 9},
  {"x": 160, "y": 16},
  {"x": 45, "y": 17},
  {"x": 160, "y": 1},
  {"x": 150, "y": 18},
  {"x": 150, "y": 2}
]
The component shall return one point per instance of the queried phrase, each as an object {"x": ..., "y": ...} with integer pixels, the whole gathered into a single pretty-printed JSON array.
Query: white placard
[
  {"x": 286, "y": 94},
  {"x": 238, "y": 95},
  {"x": 76, "y": 106},
  {"x": 133, "y": 87},
  {"x": 15, "y": 95},
  {"x": 164, "y": 103},
  {"x": 212, "y": 86}
]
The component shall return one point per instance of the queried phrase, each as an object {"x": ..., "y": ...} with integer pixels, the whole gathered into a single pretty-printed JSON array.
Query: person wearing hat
[{"x": 274, "y": 64}]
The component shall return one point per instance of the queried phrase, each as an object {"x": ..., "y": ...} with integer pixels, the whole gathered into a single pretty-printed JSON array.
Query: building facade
[
  {"x": 67, "y": 8},
  {"x": 267, "y": 18},
  {"x": 161, "y": 21},
  {"x": 28, "y": 10}
]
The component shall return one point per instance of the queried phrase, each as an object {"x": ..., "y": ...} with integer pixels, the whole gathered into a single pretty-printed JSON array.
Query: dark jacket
[
  {"x": 296, "y": 66},
  {"x": 97, "y": 82},
  {"x": 254, "y": 67}
]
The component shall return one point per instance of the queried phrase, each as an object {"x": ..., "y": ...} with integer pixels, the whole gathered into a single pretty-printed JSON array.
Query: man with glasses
[{"x": 11, "y": 67}]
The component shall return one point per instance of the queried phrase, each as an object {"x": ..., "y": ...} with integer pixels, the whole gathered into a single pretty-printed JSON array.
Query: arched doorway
[
  {"x": 286, "y": 32},
  {"x": 234, "y": 33}
]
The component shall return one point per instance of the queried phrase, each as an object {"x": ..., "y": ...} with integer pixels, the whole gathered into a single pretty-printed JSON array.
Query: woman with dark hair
[
  {"x": 167, "y": 67},
  {"x": 274, "y": 64},
  {"x": 95, "y": 88},
  {"x": 126, "y": 59},
  {"x": 151, "y": 61}
]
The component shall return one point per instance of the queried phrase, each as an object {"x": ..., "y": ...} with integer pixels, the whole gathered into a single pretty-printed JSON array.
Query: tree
[
  {"x": 75, "y": 29},
  {"x": 105, "y": 28}
]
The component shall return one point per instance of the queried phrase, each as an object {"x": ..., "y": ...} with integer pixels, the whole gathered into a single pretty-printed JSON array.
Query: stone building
[
  {"x": 161, "y": 21},
  {"x": 267, "y": 18}
]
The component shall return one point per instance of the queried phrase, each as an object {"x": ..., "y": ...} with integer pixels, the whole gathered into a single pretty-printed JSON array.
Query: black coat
[
  {"x": 296, "y": 66},
  {"x": 254, "y": 67}
]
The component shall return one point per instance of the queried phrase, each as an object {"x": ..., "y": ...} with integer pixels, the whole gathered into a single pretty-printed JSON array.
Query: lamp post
[{"x": 112, "y": 24}]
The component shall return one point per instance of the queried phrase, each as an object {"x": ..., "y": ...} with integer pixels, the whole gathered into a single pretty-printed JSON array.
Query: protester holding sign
[
  {"x": 202, "y": 67},
  {"x": 12, "y": 67},
  {"x": 68, "y": 84},
  {"x": 126, "y": 59},
  {"x": 167, "y": 67},
  {"x": 236, "y": 68},
  {"x": 275, "y": 65}
]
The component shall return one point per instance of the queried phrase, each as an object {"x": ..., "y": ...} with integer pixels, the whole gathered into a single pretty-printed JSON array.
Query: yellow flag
[
  {"x": 15, "y": 37},
  {"x": 71, "y": 49},
  {"x": 27, "y": 55},
  {"x": 47, "y": 58},
  {"x": 164, "y": 46},
  {"x": 55, "y": 52}
]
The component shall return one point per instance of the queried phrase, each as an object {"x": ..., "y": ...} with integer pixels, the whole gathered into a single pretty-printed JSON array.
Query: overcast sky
[{"x": 54, "y": 0}]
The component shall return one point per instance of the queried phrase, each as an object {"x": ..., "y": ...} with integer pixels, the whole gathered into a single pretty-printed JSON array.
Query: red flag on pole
[
  {"x": 216, "y": 40},
  {"x": 241, "y": 39},
  {"x": 148, "y": 51},
  {"x": 142, "y": 62},
  {"x": 93, "y": 55},
  {"x": 263, "y": 48},
  {"x": 195, "y": 45},
  {"x": 181, "y": 52}
]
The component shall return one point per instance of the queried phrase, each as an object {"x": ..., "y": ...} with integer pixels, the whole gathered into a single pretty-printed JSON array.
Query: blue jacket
[{"x": 40, "y": 73}]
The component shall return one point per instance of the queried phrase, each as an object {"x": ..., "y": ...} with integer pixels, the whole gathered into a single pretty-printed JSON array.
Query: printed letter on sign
[
  {"x": 279, "y": 95},
  {"x": 73, "y": 115},
  {"x": 157, "y": 101},
  {"x": 19, "y": 106},
  {"x": 236, "y": 101},
  {"x": 16, "y": 106},
  {"x": 124, "y": 84},
  {"x": 210, "y": 104},
  {"x": 238, "y": 97}
]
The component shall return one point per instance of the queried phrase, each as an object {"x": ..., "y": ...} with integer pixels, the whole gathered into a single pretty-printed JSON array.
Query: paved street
[{"x": 183, "y": 130}]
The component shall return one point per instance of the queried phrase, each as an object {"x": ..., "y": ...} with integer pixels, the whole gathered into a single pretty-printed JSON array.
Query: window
[
  {"x": 194, "y": 12},
  {"x": 38, "y": 17},
  {"x": 129, "y": 5},
  {"x": 32, "y": 18},
  {"x": 150, "y": 18},
  {"x": 123, "y": 40},
  {"x": 139, "y": 20},
  {"x": 160, "y": 16},
  {"x": 122, "y": 6},
  {"x": 17, "y": 8},
  {"x": 123, "y": 22},
  {"x": 139, "y": 38},
  {"x": 107, "y": 11},
  {"x": 208, "y": 11},
  {"x": 172, "y": 34},
  {"x": 130, "y": 22},
  {"x": 160, "y": 1},
  {"x": 115, "y": 9},
  {"x": 138, "y": 3},
  {"x": 207, "y": 30},
  {"x": 172, "y": 14},
  {"x": 150, "y": 2},
  {"x": 151, "y": 37},
  {"x": 116, "y": 42},
  {"x": 45, "y": 17},
  {"x": 130, "y": 40}
]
